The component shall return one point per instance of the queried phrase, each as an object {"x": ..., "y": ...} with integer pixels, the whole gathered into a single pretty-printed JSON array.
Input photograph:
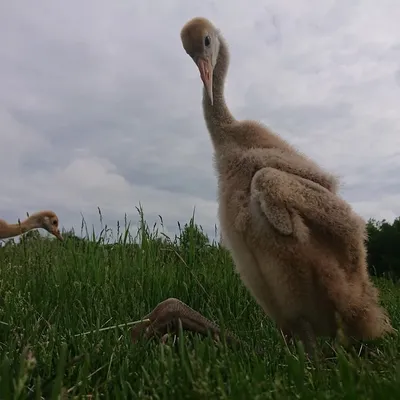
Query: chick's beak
[
  {"x": 139, "y": 329},
  {"x": 206, "y": 74},
  {"x": 57, "y": 234}
]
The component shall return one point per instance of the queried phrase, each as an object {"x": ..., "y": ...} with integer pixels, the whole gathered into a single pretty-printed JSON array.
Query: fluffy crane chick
[
  {"x": 298, "y": 247},
  {"x": 47, "y": 220}
]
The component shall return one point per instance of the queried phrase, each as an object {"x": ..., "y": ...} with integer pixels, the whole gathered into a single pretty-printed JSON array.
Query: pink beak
[
  {"x": 57, "y": 234},
  {"x": 205, "y": 69}
]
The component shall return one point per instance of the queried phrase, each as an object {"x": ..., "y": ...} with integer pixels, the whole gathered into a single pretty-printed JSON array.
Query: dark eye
[
  {"x": 207, "y": 41},
  {"x": 55, "y": 222}
]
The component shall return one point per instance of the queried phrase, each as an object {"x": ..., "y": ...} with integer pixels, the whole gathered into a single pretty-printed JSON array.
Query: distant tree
[
  {"x": 8, "y": 242},
  {"x": 31, "y": 236},
  {"x": 192, "y": 242},
  {"x": 192, "y": 236},
  {"x": 383, "y": 247},
  {"x": 70, "y": 237}
]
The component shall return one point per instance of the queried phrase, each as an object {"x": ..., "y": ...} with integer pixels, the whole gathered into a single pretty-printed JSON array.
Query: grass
[{"x": 52, "y": 291}]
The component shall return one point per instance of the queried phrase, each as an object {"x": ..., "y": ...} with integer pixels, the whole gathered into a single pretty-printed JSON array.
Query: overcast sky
[{"x": 101, "y": 107}]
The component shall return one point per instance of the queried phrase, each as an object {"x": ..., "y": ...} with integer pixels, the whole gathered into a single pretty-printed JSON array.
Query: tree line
[{"x": 383, "y": 245}]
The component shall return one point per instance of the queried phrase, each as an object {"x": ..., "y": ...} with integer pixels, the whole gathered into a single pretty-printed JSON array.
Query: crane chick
[
  {"x": 47, "y": 220},
  {"x": 298, "y": 247}
]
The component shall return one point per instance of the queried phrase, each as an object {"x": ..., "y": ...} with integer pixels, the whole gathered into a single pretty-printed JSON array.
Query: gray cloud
[{"x": 100, "y": 105}]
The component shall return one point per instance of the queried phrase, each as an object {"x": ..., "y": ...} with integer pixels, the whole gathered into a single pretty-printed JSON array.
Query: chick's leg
[{"x": 302, "y": 330}]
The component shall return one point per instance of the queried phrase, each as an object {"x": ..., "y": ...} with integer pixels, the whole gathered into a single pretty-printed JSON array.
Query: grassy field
[{"x": 52, "y": 291}]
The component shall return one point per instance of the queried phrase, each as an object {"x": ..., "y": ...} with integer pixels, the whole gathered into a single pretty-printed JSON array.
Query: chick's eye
[
  {"x": 54, "y": 222},
  {"x": 207, "y": 41}
]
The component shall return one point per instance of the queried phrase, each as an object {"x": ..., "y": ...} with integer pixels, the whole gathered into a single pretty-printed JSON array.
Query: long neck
[
  {"x": 218, "y": 115},
  {"x": 11, "y": 230}
]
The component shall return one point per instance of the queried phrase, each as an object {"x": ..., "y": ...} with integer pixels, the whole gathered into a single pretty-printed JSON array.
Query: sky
[{"x": 100, "y": 106}]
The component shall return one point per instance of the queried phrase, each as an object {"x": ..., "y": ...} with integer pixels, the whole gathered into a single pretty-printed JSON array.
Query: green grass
[{"x": 52, "y": 291}]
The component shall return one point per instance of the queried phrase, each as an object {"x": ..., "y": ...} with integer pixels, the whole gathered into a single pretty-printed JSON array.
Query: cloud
[{"x": 101, "y": 107}]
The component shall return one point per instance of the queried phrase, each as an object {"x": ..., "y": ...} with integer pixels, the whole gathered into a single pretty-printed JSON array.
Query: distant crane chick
[{"x": 47, "y": 220}]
